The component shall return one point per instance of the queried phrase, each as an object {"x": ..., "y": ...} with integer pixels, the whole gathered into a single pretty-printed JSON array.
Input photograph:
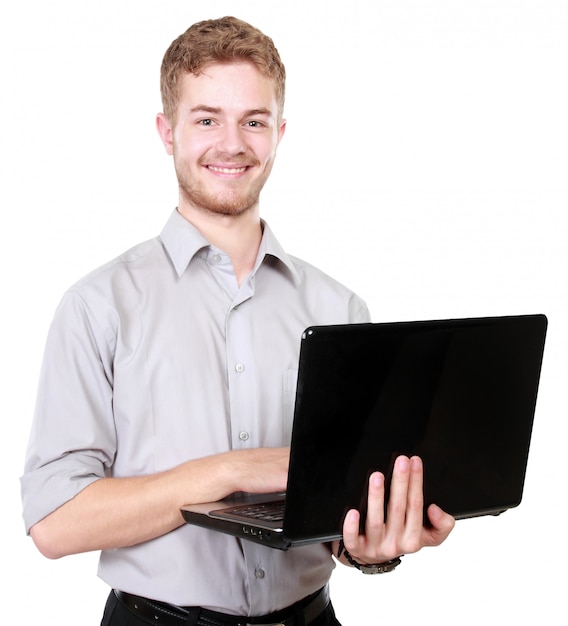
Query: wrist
[{"x": 384, "y": 567}]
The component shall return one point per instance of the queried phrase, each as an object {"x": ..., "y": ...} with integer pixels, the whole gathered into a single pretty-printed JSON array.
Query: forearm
[{"x": 118, "y": 512}]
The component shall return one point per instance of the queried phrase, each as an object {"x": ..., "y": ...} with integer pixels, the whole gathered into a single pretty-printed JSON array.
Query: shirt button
[
  {"x": 243, "y": 435},
  {"x": 239, "y": 368},
  {"x": 216, "y": 258},
  {"x": 259, "y": 572}
]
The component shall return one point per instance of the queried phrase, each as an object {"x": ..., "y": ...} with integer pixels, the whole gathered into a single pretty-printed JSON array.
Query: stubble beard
[{"x": 232, "y": 202}]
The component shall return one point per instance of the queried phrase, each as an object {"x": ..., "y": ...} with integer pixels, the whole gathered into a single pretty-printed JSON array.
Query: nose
[{"x": 230, "y": 140}]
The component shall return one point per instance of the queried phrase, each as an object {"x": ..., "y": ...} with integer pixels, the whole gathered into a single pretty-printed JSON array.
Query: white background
[{"x": 425, "y": 165}]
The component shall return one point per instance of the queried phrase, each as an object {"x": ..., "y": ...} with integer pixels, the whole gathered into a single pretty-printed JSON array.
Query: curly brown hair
[{"x": 222, "y": 40}]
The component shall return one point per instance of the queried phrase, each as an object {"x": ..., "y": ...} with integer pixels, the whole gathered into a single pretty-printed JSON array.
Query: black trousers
[{"x": 116, "y": 614}]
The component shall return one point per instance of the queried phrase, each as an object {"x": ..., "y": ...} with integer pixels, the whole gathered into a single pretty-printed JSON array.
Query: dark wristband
[{"x": 375, "y": 568}]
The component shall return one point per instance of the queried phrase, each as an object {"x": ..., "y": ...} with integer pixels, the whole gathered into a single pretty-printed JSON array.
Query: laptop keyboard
[{"x": 266, "y": 512}]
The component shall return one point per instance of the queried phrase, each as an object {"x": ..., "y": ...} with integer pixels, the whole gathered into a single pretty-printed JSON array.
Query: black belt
[{"x": 171, "y": 615}]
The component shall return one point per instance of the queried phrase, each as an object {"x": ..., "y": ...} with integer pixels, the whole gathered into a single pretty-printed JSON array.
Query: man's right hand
[{"x": 118, "y": 512}]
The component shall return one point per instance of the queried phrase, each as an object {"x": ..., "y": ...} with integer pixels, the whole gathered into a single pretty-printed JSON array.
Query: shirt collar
[
  {"x": 183, "y": 241},
  {"x": 270, "y": 246}
]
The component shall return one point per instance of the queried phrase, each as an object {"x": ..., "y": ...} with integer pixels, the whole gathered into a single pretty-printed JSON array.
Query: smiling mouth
[{"x": 227, "y": 170}]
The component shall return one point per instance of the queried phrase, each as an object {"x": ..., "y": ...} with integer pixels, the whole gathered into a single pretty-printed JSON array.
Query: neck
[{"x": 239, "y": 236}]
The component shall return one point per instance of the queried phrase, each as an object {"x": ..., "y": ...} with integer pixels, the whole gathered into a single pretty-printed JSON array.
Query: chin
[{"x": 229, "y": 205}]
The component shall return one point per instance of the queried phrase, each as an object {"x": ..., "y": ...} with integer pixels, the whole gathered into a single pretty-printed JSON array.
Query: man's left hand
[{"x": 403, "y": 531}]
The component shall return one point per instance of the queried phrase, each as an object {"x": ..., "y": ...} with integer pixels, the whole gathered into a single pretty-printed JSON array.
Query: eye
[
  {"x": 206, "y": 122},
  {"x": 254, "y": 124}
]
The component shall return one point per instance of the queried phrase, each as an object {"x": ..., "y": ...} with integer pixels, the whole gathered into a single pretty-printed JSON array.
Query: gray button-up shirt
[{"x": 160, "y": 357}]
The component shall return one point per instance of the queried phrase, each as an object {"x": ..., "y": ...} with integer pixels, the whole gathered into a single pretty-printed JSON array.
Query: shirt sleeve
[
  {"x": 359, "y": 312},
  {"x": 73, "y": 440}
]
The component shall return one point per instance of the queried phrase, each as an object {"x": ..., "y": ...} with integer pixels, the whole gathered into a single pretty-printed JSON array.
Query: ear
[
  {"x": 165, "y": 131},
  {"x": 282, "y": 130}
]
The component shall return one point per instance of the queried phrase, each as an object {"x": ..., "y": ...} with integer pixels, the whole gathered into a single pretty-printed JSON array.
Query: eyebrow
[{"x": 204, "y": 108}]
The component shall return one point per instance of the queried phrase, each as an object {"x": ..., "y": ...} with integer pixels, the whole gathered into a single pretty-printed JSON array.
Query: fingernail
[
  {"x": 416, "y": 462},
  {"x": 378, "y": 479},
  {"x": 402, "y": 462}
]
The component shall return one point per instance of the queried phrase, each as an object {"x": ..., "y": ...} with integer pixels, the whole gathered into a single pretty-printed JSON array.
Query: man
[{"x": 169, "y": 376}]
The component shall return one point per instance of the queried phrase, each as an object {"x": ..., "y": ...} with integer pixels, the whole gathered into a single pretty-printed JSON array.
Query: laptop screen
[{"x": 459, "y": 393}]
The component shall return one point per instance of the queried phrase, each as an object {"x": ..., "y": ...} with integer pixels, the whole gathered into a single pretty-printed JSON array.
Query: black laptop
[{"x": 459, "y": 393}]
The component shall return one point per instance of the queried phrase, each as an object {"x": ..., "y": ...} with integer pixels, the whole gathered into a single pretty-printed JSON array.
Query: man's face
[{"x": 225, "y": 138}]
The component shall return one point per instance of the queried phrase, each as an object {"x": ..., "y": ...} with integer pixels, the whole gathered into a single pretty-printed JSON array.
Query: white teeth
[{"x": 227, "y": 170}]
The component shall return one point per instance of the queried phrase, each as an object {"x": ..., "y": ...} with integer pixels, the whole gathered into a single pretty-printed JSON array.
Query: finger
[
  {"x": 442, "y": 525},
  {"x": 396, "y": 507},
  {"x": 351, "y": 529},
  {"x": 415, "y": 497},
  {"x": 374, "y": 523}
]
